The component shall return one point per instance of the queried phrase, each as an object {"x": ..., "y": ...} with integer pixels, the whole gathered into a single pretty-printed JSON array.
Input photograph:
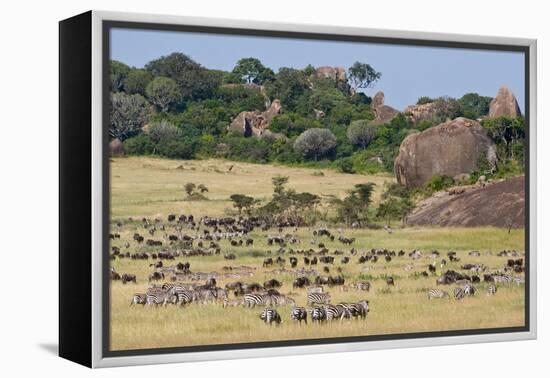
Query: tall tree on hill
[
  {"x": 129, "y": 113},
  {"x": 362, "y": 76},
  {"x": 253, "y": 71}
]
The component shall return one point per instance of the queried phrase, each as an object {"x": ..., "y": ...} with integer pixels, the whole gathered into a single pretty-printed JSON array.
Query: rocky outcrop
[
  {"x": 334, "y": 73},
  {"x": 500, "y": 204},
  {"x": 116, "y": 147},
  {"x": 449, "y": 149},
  {"x": 421, "y": 112},
  {"x": 256, "y": 123},
  {"x": 504, "y": 104},
  {"x": 383, "y": 113}
]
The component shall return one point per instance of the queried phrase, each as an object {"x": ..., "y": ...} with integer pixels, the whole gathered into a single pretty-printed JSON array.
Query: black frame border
[{"x": 107, "y": 25}]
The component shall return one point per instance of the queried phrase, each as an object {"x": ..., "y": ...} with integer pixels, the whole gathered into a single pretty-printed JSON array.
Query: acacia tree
[
  {"x": 253, "y": 71},
  {"x": 163, "y": 92},
  {"x": 362, "y": 75},
  {"x": 315, "y": 143},
  {"x": 128, "y": 115},
  {"x": 354, "y": 207},
  {"x": 241, "y": 201},
  {"x": 360, "y": 133}
]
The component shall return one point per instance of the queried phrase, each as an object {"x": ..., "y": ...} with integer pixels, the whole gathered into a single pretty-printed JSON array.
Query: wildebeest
[
  {"x": 293, "y": 262},
  {"x": 390, "y": 281},
  {"x": 156, "y": 276},
  {"x": 272, "y": 284},
  {"x": 128, "y": 278},
  {"x": 267, "y": 262},
  {"x": 301, "y": 282}
]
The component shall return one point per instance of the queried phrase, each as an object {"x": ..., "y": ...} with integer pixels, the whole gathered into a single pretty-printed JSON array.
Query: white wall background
[{"x": 28, "y": 203}]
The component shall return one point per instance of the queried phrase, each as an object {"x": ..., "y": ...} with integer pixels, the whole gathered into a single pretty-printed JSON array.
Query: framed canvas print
[{"x": 234, "y": 189}]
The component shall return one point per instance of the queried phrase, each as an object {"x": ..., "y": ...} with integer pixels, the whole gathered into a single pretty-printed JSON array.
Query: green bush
[{"x": 139, "y": 145}]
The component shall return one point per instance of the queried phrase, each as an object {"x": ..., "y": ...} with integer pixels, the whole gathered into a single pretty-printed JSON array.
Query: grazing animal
[
  {"x": 390, "y": 281},
  {"x": 267, "y": 262},
  {"x": 270, "y": 315},
  {"x": 318, "y": 298},
  {"x": 139, "y": 299},
  {"x": 160, "y": 297},
  {"x": 436, "y": 293},
  {"x": 128, "y": 278},
  {"x": 466, "y": 290},
  {"x": 338, "y": 311},
  {"x": 272, "y": 284},
  {"x": 300, "y": 282},
  {"x": 318, "y": 314},
  {"x": 491, "y": 289},
  {"x": 298, "y": 314},
  {"x": 252, "y": 300}
]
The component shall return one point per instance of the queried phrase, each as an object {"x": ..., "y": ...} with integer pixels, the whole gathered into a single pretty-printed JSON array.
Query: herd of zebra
[{"x": 203, "y": 237}]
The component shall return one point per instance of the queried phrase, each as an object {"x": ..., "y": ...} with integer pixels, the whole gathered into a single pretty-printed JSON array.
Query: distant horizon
[{"x": 408, "y": 72}]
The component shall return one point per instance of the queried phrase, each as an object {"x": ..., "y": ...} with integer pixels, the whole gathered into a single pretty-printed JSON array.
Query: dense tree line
[{"x": 175, "y": 107}]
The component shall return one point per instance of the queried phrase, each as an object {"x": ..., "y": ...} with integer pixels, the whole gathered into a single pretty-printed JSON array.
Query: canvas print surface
[{"x": 266, "y": 189}]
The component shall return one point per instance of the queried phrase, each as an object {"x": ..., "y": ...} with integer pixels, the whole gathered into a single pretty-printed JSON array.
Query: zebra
[
  {"x": 279, "y": 300},
  {"x": 436, "y": 293},
  {"x": 185, "y": 296},
  {"x": 139, "y": 299},
  {"x": 359, "y": 309},
  {"x": 466, "y": 290},
  {"x": 205, "y": 295},
  {"x": 318, "y": 314},
  {"x": 491, "y": 289},
  {"x": 160, "y": 297},
  {"x": 339, "y": 311},
  {"x": 315, "y": 289},
  {"x": 270, "y": 315},
  {"x": 507, "y": 279},
  {"x": 251, "y": 300},
  {"x": 298, "y": 314},
  {"x": 318, "y": 298}
]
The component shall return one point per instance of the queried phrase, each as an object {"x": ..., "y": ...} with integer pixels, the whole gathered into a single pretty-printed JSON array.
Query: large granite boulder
[
  {"x": 334, "y": 73},
  {"x": 383, "y": 113},
  {"x": 449, "y": 149},
  {"x": 255, "y": 123},
  {"x": 504, "y": 104},
  {"x": 500, "y": 204}
]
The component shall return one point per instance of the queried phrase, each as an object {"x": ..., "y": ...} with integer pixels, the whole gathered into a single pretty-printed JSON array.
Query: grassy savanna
[
  {"x": 142, "y": 186},
  {"x": 154, "y": 188}
]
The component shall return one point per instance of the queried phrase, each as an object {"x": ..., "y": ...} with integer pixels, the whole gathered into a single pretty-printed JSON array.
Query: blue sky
[{"x": 407, "y": 72}]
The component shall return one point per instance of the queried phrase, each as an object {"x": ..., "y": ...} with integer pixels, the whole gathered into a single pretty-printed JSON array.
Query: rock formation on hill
[
  {"x": 334, "y": 73},
  {"x": 383, "y": 113},
  {"x": 256, "y": 123},
  {"x": 448, "y": 149},
  {"x": 504, "y": 104},
  {"x": 421, "y": 112},
  {"x": 501, "y": 204}
]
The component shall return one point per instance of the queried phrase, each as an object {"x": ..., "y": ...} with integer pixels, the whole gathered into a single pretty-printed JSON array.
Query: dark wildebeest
[
  {"x": 272, "y": 284},
  {"x": 389, "y": 281},
  {"x": 301, "y": 282},
  {"x": 128, "y": 278},
  {"x": 156, "y": 276}
]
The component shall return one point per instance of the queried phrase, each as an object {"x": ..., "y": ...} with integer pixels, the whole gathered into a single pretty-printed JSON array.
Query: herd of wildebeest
[{"x": 172, "y": 281}]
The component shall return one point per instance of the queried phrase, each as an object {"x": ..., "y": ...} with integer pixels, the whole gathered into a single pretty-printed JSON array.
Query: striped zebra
[
  {"x": 160, "y": 297},
  {"x": 436, "y": 293},
  {"x": 185, "y": 296},
  {"x": 507, "y": 279},
  {"x": 318, "y": 314},
  {"x": 466, "y": 290},
  {"x": 315, "y": 289},
  {"x": 281, "y": 300},
  {"x": 139, "y": 299},
  {"x": 318, "y": 298},
  {"x": 298, "y": 314},
  {"x": 491, "y": 289},
  {"x": 338, "y": 311},
  {"x": 357, "y": 310},
  {"x": 252, "y": 300},
  {"x": 270, "y": 315},
  {"x": 204, "y": 295}
]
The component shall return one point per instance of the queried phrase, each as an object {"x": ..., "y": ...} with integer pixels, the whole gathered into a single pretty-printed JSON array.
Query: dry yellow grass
[{"x": 153, "y": 187}]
